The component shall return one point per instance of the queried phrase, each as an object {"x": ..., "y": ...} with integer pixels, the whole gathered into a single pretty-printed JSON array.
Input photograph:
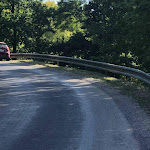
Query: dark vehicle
[{"x": 4, "y": 51}]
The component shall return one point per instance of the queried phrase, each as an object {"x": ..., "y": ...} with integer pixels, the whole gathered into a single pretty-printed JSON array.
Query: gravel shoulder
[{"x": 136, "y": 116}]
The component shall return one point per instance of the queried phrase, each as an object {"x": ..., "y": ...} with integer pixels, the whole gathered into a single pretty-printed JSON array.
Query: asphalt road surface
[{"x": 42, "y": 109}]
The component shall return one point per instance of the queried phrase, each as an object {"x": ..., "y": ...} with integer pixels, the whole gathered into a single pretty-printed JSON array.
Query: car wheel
[{"x": 7, "y": 59}]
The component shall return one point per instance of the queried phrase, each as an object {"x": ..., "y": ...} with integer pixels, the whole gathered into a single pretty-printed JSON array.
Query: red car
[{"x": 4, "y": 51}]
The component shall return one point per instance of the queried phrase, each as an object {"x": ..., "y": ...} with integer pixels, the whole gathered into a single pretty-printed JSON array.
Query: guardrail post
[{"x": 57, "y": 63}]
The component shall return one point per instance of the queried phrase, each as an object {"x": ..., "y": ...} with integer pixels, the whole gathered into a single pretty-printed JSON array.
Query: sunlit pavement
[{"x": 47, "y": 110}]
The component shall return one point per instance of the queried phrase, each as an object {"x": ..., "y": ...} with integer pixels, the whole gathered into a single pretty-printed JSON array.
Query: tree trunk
[{"x": 14, "y": 30}]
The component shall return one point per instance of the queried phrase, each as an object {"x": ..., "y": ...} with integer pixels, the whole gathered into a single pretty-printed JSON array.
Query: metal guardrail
[{"x": 131, "y": 72}]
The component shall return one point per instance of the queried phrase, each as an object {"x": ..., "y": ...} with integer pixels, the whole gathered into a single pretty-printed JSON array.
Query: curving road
[{"x": 47, "y": 110}]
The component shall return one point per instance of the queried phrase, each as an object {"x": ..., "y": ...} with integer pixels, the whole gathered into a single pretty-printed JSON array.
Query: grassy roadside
[{"x": 131, "y": 87}]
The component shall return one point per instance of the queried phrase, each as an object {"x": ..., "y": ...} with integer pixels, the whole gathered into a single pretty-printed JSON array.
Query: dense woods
[{"x": 115, "y": 31}]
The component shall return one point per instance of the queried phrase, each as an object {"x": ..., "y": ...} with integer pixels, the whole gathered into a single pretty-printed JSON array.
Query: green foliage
[
  {"x": 103, "y": 23},
  {"x": 120, "y": 27},
  {"x": 69, "y": 16},
  {"x": 115, "y": 31},
  {"x": 139, "y": 34},
  {"x": 15, "y": 22}
]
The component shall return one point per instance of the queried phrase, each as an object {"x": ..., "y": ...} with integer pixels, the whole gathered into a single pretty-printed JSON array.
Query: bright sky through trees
[{"x": 52, "y": 0}]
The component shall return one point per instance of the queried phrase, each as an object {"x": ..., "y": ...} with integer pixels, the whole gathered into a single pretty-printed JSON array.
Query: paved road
[{"x": 47, "y": 110}]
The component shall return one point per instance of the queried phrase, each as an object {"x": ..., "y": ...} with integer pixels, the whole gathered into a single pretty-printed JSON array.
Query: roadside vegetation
[{"x": 104, "y": 30}]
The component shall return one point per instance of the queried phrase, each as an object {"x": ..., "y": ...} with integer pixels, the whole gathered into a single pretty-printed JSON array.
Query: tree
[
  {"x": 106, "y": 26},
  {"x": 4, "y": 30},
  {"x": 139, "y": 34},
  {"x": 16, "y": 19},
  {"x": 23, "y": 23}
]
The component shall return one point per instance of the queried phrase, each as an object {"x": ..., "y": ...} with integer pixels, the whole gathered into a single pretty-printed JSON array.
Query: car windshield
[{"x": 3, "y": 47}]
